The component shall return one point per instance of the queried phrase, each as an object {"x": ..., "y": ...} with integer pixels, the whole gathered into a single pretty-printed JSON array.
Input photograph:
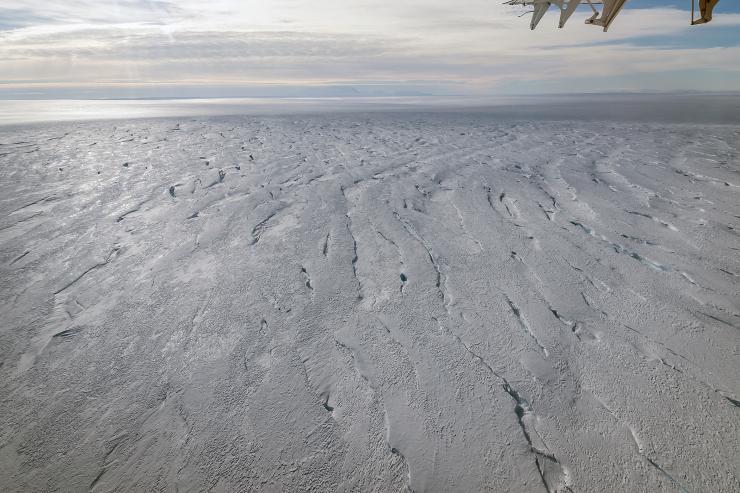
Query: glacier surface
[{"x": 378, "y": 302}]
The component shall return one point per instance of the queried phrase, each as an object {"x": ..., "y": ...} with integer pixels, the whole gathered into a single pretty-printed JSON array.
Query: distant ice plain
[
  {"x": 404, "y": 298},
  {"x": 690, "y": 108}
]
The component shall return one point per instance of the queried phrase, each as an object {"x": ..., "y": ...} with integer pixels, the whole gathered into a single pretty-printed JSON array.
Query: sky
[{"x": 222, "y": 48}]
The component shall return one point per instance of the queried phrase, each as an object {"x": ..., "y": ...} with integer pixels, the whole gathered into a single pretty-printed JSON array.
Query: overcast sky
[{"x": 108, "y": 48}]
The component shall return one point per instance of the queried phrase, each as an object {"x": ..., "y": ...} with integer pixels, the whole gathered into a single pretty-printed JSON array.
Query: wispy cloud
[{"x": 476, "y": 46}]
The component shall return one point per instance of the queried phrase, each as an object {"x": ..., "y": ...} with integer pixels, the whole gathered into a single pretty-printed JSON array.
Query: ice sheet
[{"x": 426, "y": 302}]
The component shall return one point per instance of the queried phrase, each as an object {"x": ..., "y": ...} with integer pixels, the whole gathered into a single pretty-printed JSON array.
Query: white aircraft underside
[{"x": 604, "y": 17}]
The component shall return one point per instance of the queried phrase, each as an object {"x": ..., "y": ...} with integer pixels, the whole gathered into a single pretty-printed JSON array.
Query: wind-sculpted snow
[{"x": 372, "y": 303}]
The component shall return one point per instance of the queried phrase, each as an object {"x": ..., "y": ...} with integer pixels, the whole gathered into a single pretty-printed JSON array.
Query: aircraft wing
[{"x": 610, "y": 9}]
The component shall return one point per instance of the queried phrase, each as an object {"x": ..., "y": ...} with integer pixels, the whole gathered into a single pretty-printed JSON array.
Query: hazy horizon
[{"x": 692, "y": 108}]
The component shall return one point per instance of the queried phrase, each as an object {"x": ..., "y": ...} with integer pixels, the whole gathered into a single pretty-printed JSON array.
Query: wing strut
[
  {"x": 705, "y": 8},
  {"x": 566, "y": 10},
  {"x": 609, "y": 13},
  {"x": 539, "y": 12}
]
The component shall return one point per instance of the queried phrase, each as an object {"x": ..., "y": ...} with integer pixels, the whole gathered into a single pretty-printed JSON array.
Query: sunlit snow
[{"x": 377, "y": 302}]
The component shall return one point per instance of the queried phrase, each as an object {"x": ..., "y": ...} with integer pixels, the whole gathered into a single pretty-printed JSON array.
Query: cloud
[{"x": 475, "y": 47}]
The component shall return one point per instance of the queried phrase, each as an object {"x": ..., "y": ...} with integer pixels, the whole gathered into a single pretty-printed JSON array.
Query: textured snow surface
[{"x": 371, "y": 303}]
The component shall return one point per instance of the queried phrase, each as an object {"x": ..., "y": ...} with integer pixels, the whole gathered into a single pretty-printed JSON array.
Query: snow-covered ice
[{"x": 384, "y": 302}]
